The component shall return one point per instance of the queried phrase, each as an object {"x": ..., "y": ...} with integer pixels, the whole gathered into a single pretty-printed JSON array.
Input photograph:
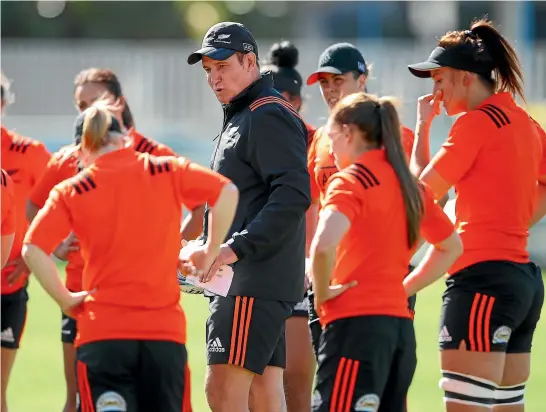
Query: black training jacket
[{"x": 263, "y": 149}]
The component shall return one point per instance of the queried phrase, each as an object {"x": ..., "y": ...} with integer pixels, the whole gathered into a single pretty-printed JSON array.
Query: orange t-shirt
[
  {"x": 65, "y": 164},
  {"x": 24, "y": 160},
  {"x": 125, "y": 210},
  {"x": 321, "y": 162},
  {"x": 493, "y": 157},
  {"x": 8, "y": 205},
  {"x": 375, "y": 249}
]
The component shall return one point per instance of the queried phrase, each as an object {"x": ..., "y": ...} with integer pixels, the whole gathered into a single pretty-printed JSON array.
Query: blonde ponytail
[{"x": 96, "y": 123}]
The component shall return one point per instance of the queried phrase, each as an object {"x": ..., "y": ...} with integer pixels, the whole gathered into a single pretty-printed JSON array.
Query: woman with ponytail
[
  {"x": 281, "y": 61},
  {"x": 373, "y": 214},
  {"x": 124, "y": 207},
  {"x": 99, "y": 87},
  {"x": 495, "y": 158}
]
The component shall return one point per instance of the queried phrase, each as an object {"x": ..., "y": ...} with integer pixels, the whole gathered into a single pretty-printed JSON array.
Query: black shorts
[
  {"x": 247, "y": 332},
  {"x": 366, "y": 363},
  {"x": 131, "y": 375},
  {"x": 14, "y": 315},
  {"x": 492, "y": 306},
  {"x": 301, "y": 310},
  {"x": 68, "y": 329}
]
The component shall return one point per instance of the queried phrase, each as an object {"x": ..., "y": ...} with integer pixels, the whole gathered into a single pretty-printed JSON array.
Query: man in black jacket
[{"x": 263, "y": 149}]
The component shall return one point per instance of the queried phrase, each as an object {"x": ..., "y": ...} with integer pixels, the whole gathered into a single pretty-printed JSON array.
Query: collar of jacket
[{"x": 248, "y": 95}]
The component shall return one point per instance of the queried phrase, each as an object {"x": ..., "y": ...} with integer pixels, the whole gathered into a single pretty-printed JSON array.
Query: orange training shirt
[
  {"x": 321, "y": 163},
  {"x": 9, "y": 214},
  {"x": 493, "y": 157},
  {"x": 63, "y": 165},
  {"x": 125, "y": 210},
  {"x": 24, "y": 160},
  {"x": 375, "y": 251}
]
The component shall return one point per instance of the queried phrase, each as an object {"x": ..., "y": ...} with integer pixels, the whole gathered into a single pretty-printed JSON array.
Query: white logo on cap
[
  {"x": 361, "y": 67},
  {"x": 223, "y": 36},
  {"x": 248, "y": 47}
]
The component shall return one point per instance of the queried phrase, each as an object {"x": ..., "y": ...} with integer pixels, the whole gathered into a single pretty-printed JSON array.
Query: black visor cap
[{"x": 461, "y": 57}]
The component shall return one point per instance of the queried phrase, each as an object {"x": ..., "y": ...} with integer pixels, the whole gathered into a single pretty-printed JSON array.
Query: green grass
[{"x": 37, "y": 382}]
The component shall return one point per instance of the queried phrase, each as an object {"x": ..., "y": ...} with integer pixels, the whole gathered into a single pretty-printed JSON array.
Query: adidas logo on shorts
[
  {"x": 215, "y": 346},
  {"x": 7, "y": 335},
  {"x": 444, "y": 335}
]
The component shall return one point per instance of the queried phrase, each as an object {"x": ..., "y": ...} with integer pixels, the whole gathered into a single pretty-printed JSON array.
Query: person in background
[
  {"x": 90, "y": 86},
  {"x": 495, "y": 158},
  {"x": 24, "y": 160},
  {"x": 373, "y": 214},
  {"x": 281, "y": 61},
  {"x": 132, "y": 330},
  {"x": 9, "y": 216},
  {"x": 341, "y": 71}
]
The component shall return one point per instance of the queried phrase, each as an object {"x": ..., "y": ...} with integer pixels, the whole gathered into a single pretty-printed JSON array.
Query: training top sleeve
[
  {"x": 53, "y": 222},
  {"x": 197, "y": 185},
  {"x": 311, "y": 164},
  {"x": 40, "y": 158},
  {"x": 435, "y": 225},
  {"x": 458, "y": 153},
  {"x": 52, "y": 175},
  {"x": 343, "y": 196},
  {"x": 8, "y": 206},
  {"x": 277, "y": 151},
  {"x": 542, "y": 134}
]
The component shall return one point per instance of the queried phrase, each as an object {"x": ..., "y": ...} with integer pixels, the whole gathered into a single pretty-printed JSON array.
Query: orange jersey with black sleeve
[
  {"x": 374, "y": 251},
  {"x": 9, "y": 214},
  {"x": 125, "y": 209},
  {"x": 493, "y": 158},
  {"x": 321, "y": 162},
  {"x": 24, "y": 160},
  {"x": 145, "y": 145}
]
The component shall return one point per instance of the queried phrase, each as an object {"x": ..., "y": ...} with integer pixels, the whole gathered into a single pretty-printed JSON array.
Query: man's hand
[
  {"x": 225, "y": 257},
  {"x": 21, "y": 270},
  {"x": 70, "y": 244},
  {"x": 332, "y": 292}
]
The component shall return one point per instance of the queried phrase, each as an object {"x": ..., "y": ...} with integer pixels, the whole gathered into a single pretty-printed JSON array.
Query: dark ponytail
[
  {"x": 507, "y": 65},
  {"x": 377, "y": 118},
  {"x": 391, "y": 136}
]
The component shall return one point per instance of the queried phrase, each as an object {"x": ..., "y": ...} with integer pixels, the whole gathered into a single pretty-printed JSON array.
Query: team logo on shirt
[
  {"x": 367, "y": 403},
  {"x": 502, "y": 334},
  {"x": 111, "y": 402}
]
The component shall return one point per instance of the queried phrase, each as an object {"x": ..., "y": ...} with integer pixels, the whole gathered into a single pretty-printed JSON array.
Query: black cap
[
  {"x": 223, "y": 40},
  {"x": 78, "y": 127},
  {"x": 461, "y": 57},
  {"x": 338, "y": 59}
]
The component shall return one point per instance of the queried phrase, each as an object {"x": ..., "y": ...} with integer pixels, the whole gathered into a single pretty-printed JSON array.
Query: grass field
[{"x": 37, "y": 383}]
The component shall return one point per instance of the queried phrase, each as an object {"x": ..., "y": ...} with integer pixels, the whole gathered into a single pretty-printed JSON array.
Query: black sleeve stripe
[
  {"x": 362, "y": 182},
  {"x": 511, "y": 388},
  {"x": 152, "y": 147},
  {"x": 159, "y": 167},
  {"x": 4, "y": 179},
  {"x": 82, "y": 184},
  {"x": 167, "y": 167},
  {"x": 491, "y": 116},
  {"x": 365, "y": 171},
  {"x": 78, "y": 189},
  {"x": 139, "y": 146},
  {"x": 499, "y": 112},
  {"x": 90, "y": 181},
  {"x": 515, "y": 399},
  {"x": 25, "y": 147},
  {"x": 152, "y": 167}
]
